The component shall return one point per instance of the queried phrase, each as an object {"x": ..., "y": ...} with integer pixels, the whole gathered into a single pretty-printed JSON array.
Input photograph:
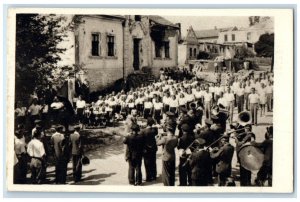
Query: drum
[{"x": 251, "y": 157}]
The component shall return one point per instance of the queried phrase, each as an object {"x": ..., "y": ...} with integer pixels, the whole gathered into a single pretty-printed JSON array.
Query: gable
[{"x": 191, "y": 36}]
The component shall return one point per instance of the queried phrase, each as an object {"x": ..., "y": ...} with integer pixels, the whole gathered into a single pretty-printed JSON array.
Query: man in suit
[
  {"x": 169, "y": 143},
  {"x": 200, "y": 163},
  {"x": 150, "y": 149},
  {"x": 76, "y": 151},
  {"x": 134, "y": 155},
  {"x": 184, "y": 141},
  {"x": 224, "y": 157},
  {"x": 59, "y": 142}
]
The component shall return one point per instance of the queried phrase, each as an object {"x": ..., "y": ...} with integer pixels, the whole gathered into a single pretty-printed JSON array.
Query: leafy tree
[
  {"x": 265, "y": 47},
  {"x": 37, "y": 51},
  {"x": 243, "y": 52}
]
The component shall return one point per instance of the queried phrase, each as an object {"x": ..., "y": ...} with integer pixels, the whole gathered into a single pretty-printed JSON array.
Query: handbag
[{"x": 85, "y": 160}]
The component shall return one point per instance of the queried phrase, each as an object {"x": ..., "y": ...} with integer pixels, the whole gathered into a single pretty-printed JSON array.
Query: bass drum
[{"x": 251, "y": 157}]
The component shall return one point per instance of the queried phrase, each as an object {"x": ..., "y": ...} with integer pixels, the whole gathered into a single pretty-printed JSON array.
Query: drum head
[{"x": 251, "y": 158}]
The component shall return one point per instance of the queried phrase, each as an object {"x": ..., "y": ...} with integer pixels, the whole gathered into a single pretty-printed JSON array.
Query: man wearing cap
[
  {"x": 184, "y": 141},
  {"x": 200, "y": 163},
  {"x": 224, "y": 157},
  {"x": 134, "y": 155},
  {"x": 170, "y": 121},
  {"x": 58, "y": 141},
  {"x": 169, "y": 143},
  {"x": 150, "y": 149},
  {"x": 76, "y": 151}
]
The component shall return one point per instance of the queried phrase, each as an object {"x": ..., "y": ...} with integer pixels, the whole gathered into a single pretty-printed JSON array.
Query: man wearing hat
[
  {"x": 169, "y": 144},
  {"x": 134, "y": 155},
  {"x": 184, "y": 118},
  {"x": 58, "y": 141},
  {"x": 76, "y": 151},
  {"x": 224, "y": 157},
  {"x": 170, "y": 121},
  {"x": 200, "y": 163},
  {"x": 150, "y": 149},
  {"x": 184, "y": 142}
]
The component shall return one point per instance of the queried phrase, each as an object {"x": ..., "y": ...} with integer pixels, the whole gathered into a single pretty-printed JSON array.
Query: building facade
[{"x": 111, "y": 47}]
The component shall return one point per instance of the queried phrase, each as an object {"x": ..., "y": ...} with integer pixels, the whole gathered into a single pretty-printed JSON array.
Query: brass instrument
[{"x": 244, "y": 118}]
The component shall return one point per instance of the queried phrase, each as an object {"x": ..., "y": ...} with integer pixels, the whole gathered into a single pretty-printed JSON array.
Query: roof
[
  {"x": 208, "y": 33},
  {"x": 265, "y": 24},
  {"x": 162, "y": 21}
]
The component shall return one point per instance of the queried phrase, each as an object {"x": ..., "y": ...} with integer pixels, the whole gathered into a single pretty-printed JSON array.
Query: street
[{"x": 108, "y": 165}]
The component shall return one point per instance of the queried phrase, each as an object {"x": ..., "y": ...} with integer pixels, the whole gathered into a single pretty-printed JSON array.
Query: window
[
  {"x": 191, "y": 52},
  {"x": 195, "y": 52},
  {"x": 225, "y": 37},
  {"x": 110, "y": 45},
  {"x": 137, "y": 18},
  {"x": 167, "y": 49},
  {"x": 157, "y": 49},
  {"x": 233, "y": 37},
  {"x": 249, "y": 36},
  {"x": 95, "y": 45}
]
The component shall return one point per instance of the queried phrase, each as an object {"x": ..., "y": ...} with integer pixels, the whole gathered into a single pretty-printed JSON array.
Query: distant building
[
  {"x": 246, "y": 37},
  {"x": 112, "y": 46},
  {"x": 198, "y": 41}
]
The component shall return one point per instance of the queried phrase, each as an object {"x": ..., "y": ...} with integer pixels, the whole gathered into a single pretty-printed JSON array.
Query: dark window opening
[
  {"x": 158, "y": 49},
  {"x": 233, "y": 37},
  {"x": 195, "y": 52},
  {"x": 95, "y": 45},
  {"x": 137, "y": 18},
  {"x": 110, "y": 46},
  {"x": 225, "y": 37},
  {"x": 191, "y": 52},
  {"x": 167, "y": 49}
]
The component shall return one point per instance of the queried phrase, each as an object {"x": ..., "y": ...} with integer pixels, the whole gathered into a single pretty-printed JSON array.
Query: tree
[
  {"x": 243, "y": 52},
  {"x": 37, "y": 53},
  {"x": 265, "y": 47}
]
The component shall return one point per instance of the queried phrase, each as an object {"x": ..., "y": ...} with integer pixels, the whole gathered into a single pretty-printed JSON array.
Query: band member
[
  {"x": 150, "y": 149},
  {"x": 170, "y": 122},
  {"x": 36, "y": 151},
  {"x": 135, "y": 146},
  {"x": 184, "y": 141},
  {"x": 200, "y": 163},
  {"x": 58, "y": 141},
  {"x": 76, "y": 149},
  {"x": 265, "y": 172},
  {"x": 253, "y": 101},
  {"x": 20, "y": 151},
  {"x": 224, "y": 157},
  {"x": 184, "y": 118},
  {"x": 169, "y": 143}
]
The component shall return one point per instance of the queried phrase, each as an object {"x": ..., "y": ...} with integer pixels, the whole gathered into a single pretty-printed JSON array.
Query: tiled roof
[
  {"x": 162, "y": 21},
  {"x": 208, "y": 33}
]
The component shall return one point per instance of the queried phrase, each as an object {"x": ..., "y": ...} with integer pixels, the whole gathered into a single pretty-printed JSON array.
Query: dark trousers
[
  {"x": 168, "y": 173},
  {"x": 200, "y": 182},
  {"x": 265, "y": 173},
  {"x": 135, "y": 171},
  {"x": 240, "y": 103},
  {"x": 253, "y": 111},
  {"x": 245, "y": 177},
  {"x": 60, "y": 171},
  {"x": 150, "y": 165},
  {"x": 20, "y": 170},
  {"x": 184, "y": 173},
  {"x": 222, "y": 179},
  {"x": 77, "y": 167},
  {"x": 36, "y": 170}
]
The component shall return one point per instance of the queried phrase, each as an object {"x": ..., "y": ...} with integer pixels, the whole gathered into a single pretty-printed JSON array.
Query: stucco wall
[{"x": 101, "y": 70}]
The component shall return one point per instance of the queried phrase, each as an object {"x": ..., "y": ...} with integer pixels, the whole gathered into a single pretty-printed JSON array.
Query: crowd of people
[{"x": 187, "y": 110}]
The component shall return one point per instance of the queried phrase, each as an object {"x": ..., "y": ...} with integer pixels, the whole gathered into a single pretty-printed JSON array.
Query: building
[
  {"x": 111, "y": 47},
  {"x": 246, "y": 37},
  {"x": 199, "y": 41}
]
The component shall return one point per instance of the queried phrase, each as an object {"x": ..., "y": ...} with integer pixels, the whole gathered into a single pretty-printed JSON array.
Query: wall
[
  {"x": 101, "y": 70},
  {"x": 166, "y": 62},
  {"x": 182, "y": 54}
]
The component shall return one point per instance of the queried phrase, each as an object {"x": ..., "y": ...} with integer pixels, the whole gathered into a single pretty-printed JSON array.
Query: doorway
[{"x": 136, "y": 54}]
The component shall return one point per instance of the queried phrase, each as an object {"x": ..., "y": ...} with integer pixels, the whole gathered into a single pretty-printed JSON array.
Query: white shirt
[
  {"x": 247, "y": 89},
  {"x": 148, "y": 105},
  {"x": 158, "y": 105},
  {"x": 218, "y": 90},
  {"x": 80, "y": 104},
  {"x": 229, "y": 97},
  {"x": 20, "y": 145},
  {"x": 35, "y": 148},
  {"x": 240, "y": 91},
  {"x": 223, "y": 102},
  {"x": 269, "y": 89},
  {"x": 198, "y": 94},
  {"x": 182, "y": 101},
  {"x": 189, "y": 97},
  {"x": 207, "y": 97},
  {"x": 166, "y": 100},
  {"x": 253, "y": 98},
  {"x": 173, "y": 103}
]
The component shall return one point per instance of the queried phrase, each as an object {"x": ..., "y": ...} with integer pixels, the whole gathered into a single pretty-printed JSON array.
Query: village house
[
  {"x": 246, "y": 37},
  {"x": 111, "y": 47},
  {"x": 206, "y": 41}
]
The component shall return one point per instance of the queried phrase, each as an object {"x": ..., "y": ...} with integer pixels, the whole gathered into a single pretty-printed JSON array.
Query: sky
[{"x": 209, "y": 22}]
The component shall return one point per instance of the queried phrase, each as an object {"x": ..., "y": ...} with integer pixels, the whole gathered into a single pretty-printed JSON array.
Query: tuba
[{"x": 244, "y": 118}]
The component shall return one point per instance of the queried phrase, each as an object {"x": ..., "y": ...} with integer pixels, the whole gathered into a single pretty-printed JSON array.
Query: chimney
[{"x": 179, "y": 32}]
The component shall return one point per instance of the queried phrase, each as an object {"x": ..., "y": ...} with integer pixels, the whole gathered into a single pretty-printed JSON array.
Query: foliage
[
  {"x": 243, "y": 52},
  {"x": 37, "y": 51},
  {"x": 254, "y": 20},
  {"x": 265, "y": 47}
]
